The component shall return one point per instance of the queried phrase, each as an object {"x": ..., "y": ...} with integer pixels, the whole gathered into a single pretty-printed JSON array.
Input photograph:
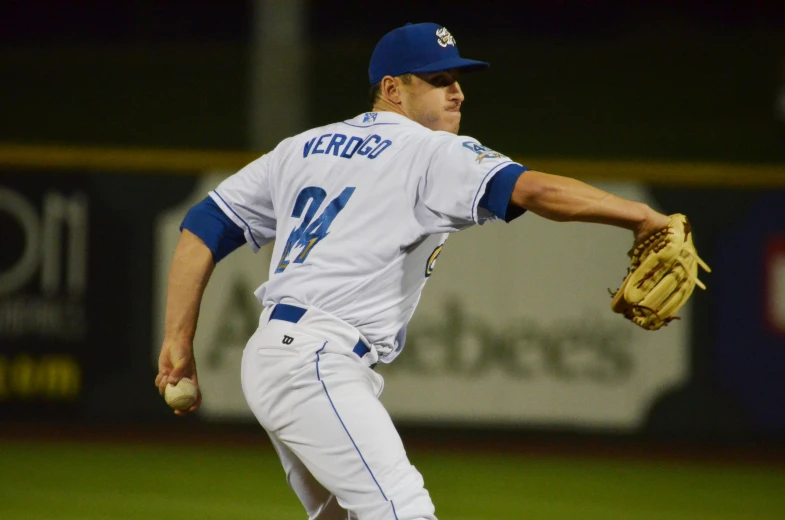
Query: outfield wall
[{"x": 514, "y": 328}]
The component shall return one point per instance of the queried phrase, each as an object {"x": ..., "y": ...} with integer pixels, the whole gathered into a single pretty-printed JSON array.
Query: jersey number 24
[{"x": 310, "y": 231}]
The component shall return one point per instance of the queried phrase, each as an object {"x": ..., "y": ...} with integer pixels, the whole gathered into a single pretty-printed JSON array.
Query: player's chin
[{"x": 452, "y": 121}]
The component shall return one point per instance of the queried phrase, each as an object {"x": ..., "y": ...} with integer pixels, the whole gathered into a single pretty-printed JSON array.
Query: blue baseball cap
[{"x": 419, "y": 47}]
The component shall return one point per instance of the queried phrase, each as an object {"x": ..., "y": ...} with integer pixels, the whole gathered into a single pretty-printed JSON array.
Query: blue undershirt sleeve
[
  {"x": 214, "y": 228},
  {"x": 498, "y": 191}
]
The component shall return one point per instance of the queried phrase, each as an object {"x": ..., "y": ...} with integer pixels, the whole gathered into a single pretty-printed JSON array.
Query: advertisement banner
[
  {"x": 76, "y": 292},
  {"x": 749, "y": 332},
  {"x": 513, "y": 327},
  {"x": 44, "y": 242}
]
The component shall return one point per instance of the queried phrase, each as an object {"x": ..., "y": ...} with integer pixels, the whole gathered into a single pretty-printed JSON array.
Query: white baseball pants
[{"x": 318, "y": 401}]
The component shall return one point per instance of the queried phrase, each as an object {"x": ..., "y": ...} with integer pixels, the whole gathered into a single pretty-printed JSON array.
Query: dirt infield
[{"x": 451, "y": 440}]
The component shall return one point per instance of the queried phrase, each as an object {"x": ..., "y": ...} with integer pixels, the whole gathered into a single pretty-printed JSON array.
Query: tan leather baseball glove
[{"x": 662, "y": 276}]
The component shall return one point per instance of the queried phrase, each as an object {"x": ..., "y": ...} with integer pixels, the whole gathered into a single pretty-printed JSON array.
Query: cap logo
[{"x": 444, "y": 38}]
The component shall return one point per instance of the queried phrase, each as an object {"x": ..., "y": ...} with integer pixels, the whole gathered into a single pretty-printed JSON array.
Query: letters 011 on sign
[{"x": 43, "y": 285}]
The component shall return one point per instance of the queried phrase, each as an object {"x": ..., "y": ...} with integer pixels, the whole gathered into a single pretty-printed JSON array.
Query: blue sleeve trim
[
  {"x": 475, "y": 202},
  {"x": 219, "y": 233},
  {"x": 498, "y": 192},
  {"x": 250, "y": 231}
]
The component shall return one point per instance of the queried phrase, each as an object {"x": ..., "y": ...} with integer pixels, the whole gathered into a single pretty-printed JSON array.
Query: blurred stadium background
[{"x": 520, "y": 395}]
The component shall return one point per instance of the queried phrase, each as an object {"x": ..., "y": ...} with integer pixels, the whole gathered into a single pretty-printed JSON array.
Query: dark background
[{"x": 666, "y": 80}]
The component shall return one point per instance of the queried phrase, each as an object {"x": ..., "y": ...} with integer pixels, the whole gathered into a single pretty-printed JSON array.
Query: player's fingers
[
  {"x": 162, "y": 385},
  {"x": 178, "y": 372},
  {"x": 164, "y": 363},
  {"x": 198, "y": 402}
]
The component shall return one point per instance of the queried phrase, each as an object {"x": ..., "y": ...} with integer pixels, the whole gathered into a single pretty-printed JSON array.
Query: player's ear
[{"x": 391, "y": 89}]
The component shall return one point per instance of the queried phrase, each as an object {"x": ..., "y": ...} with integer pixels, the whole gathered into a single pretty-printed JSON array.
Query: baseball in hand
[{"x": 181, "y": 396}]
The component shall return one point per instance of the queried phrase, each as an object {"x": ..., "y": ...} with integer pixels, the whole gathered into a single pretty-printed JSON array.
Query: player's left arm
[
  {"x": 208, "y": 235},
  {"x": 190, "y": 271},
  {"x": 564, "y": 199}
]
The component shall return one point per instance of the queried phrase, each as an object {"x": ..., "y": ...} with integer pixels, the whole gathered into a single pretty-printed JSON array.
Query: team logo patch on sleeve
[
  {"x": 444, "y": 38},
  {"x": 481, "y": 151}
]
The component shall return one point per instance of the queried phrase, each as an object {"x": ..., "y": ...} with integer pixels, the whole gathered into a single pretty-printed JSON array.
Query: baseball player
[{"x": 359, "y": 211}]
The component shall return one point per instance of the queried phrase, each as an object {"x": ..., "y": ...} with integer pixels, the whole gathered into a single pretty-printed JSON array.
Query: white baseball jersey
[{"x": 361, "y": 209}]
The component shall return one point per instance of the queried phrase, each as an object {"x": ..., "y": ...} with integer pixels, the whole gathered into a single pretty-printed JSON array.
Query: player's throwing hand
[{"x": 176, "y": 362}]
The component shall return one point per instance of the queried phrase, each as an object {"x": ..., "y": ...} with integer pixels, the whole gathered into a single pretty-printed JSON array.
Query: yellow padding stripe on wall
[
  {"x": 141, "y": 160},
  {"x": 113, "y": 160}
]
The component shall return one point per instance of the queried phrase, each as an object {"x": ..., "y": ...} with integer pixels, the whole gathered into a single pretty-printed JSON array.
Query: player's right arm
[{"x": 569, "y": 200}]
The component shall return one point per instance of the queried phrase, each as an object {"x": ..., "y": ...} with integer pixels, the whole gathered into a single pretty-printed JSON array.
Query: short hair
[{"x": 376, "y": 89}]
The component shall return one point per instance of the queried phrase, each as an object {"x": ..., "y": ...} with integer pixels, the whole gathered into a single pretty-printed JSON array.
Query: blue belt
[{"x": 293, "y": 314}]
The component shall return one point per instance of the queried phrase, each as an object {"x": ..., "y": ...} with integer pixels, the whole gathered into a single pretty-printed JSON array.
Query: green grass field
[{"x": 77, "y": 481}]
